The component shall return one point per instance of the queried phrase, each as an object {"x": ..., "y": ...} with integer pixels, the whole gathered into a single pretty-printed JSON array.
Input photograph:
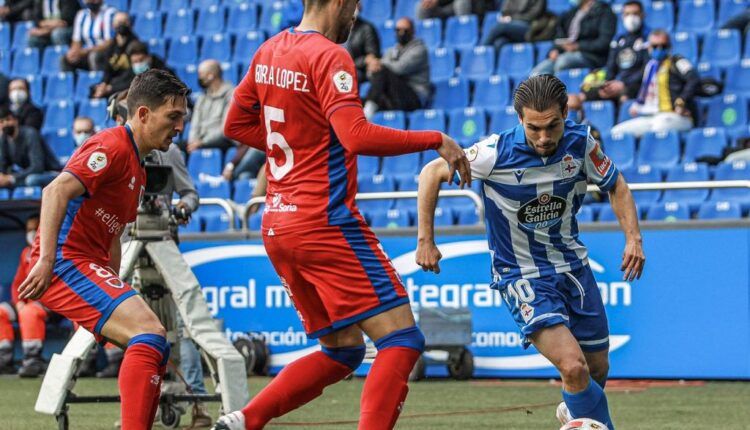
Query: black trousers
[{"x": 391, "y": 92}]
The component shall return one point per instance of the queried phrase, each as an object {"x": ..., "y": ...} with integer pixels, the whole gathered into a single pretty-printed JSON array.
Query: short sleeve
[
  {"x": 482, "y": 157},
  {"x": 92, "y": 165},
  {"x": 599, "y": 168},
  {"x": 336, "y": 80}
]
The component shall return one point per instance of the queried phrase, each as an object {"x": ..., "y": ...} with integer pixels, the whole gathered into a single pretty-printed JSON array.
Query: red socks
[{"x": 140, "y": 379}]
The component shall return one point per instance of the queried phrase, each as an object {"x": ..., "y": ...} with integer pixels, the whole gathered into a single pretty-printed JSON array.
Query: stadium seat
[
  {"x": 685, "y": 173},
  {"x": 243, "y": 190},
  {"x": 451, "y": 94},
  {"x": 242, "y": 18},
  {"x": 58, "y": 115},
  {"x": 660, "y": 150},
  {"x": 541, "y": 49},
  {"x": 5, "y": 62},
  {"x": 60, "y": 142},
  {"x": 478, "y": 62},
  {"x": 272, "y": 17},
  {"x": 205, "y": 161},
  {"x": 573, "y": 78},
  {"x": 393, "y": 119},
  {"x": 387, "y": 33},
  {"x": 215, "y": 219},
  {"x": 729, "y": 111},
  {"x": 84, "y": 81},
  {"x": 157, "y": 46},
  {"x": 36, "y": 89},
  {"x": 4, "y": 194},
  {"x": 643, "y": 174},
  {"x": 488, "y": 23},
  {"x": 217, "y": 47},
  {"x": 623, "y": 113},
  {"x": 492, "y": 92},
  {"x": 467, "y": 125},
  {"x": 183, "y": 51},
  {"x": 585, "y": 214},
  {"x": 601, "y": 114},
  {"x": 214, "y": 188},
  {"x": 172, "y": 5},
  {"x": 442, "y": 64},
  {"x": 246, "y": 46},
  {"x": 27, "y": 193},
  {"x": 375, "y": 184},
  {"x": 720, "y": 210},
  {"x": 722, "y": 48},
  {"x": 403, "y": 165},
  {"x": 708, "y": 70},
  {"x": 59, "y": 87},
  {"x": 5, "y": 36},
  {"x": 620, "y": 148},
  {"x": 204, "y": 4},
  {"x": 462, "y": 32},
  {"x": 377, "y": 11},
  {"x": 705, "y": 142},
  {"x": 429, "y": 119},
  {"x": 51, "y": 59},
  {"x": 21, "y": 35},
  {"x": 231, "y": 72},
  {"x": 367, "y": 165},
  {"x": 406, "y": 8},
  {"x": 391, "y": 218},
  {"x": 430, "y": 31},
  {"x": 96, "y": 109},
  {"x": 408, "y": 183},
  {"x": 148, "y": 25},
  {"x": 668, "y": 211},
  {"x": 516, "y": 60},
  {"x": 728, "y": 9},
  {"x": 256, "y": 219},
  {"x": 558, "y": 7},
  {"x": 211, "y": 21},
  {"x": 738, "y": 170},
  {"x": 660, "y": 15},
  {"x": 444, "y": 216},
  {"x": 25, "y": 62},
  {"x": 738, "y": 78},
  {"x": 696, "y": 16},
  {"x": 179, "y": 23},
  {"x": 466, "y": 216},
  {"x": 142, "y": 7},
  {"x": 686, "y": 44},
  {"x": 502, "y": 119}
]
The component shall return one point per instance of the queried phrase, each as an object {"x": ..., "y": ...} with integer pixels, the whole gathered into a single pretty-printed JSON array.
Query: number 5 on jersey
[{"x": 274, "y": 138}]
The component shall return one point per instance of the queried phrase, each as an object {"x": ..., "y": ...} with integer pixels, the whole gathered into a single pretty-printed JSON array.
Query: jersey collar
[
  {"x": 132, "y": 142},
  {"x": 294, "y": 31}
]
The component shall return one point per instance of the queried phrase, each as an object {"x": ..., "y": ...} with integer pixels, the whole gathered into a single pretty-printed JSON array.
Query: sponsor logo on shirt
[
  {"x": 542, "y": 212},
  {"x": 600, "y": 160},
  {"x": 97, "y": 161},
  {"x": 343, "y": 81},
  {"x": 278, "y": 205},
  {"x": 114, "y": 226}
]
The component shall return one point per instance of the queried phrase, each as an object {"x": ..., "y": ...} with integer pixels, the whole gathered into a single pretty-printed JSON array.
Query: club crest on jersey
[
  {"x": 527, "y": 312},
  {"x": 343, "y": 81},
  {"x": 97, "y": 161},
  {"x": 568, "y": 167}
]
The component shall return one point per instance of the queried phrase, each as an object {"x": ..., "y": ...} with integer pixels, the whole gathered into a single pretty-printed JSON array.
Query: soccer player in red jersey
[
  {"x": 299, "y": 102},
  {"x": 76, "y": 254}
]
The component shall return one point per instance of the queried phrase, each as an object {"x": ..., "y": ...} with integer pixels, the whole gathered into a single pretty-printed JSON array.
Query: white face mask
[
  {"x": 81, "y": 137},
  {"x": 30, "y": 236},
  {"x": 632, "y": 23},
  {"x": 18, "y": 97}
]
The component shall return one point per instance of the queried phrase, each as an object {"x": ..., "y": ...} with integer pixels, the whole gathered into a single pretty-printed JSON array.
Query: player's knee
[
  {"x": 574, "y": 370},
  {"x": 350, "y": 356},
  {"x": 158, "y": 342},
  {"x": 411, "y": 337}
]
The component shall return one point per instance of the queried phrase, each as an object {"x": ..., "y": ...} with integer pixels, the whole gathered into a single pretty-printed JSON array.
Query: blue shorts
[{"x": 570, "y": 298}]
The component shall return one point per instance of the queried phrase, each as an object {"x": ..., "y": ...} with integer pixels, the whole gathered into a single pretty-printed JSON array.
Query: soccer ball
[{"x": 584, "y": 424}]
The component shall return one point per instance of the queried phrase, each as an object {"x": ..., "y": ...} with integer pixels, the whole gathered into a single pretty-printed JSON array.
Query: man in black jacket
[
  {"x": 118, "y": 65},
  {"x": 20, "y": 104},
  {"x": 363, "y": 45},
  {"x": 17, "y": 10},
  {"x": 54, "y": 22},
  {"x": 584, "y": 33},
  {"x": 25, "y": 160}
]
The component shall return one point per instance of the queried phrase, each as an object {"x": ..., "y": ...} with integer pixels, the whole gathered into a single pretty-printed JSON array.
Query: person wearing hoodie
[{"x": 207, "y": 123}]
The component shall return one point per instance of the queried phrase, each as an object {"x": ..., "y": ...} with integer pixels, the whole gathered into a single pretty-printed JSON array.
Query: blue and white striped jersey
[
  {"x": 92, "y": 30},
  {"x": 531, "y": 201}
]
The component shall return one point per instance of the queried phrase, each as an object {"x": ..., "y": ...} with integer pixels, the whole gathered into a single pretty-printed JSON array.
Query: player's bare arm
[
  {"x": 633, "y": 258},
  {"x": 55, "y": 198},
  {"x": 432, "y": 175}
]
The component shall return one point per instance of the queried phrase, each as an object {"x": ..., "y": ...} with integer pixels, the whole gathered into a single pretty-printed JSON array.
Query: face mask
[
  {"x": 30, "y": 236},
  {"x": 203, "y": 83},
  {"x": 122, "y": 30},
  {"x": 18, "y": 97},
  {"x": 141, "y": 67},
  {"x": 94, "y": 7},
  {"x": 81, "y": 137},
  {"x": 9, "y": 130},
  {"x": 659, "y": 54},
  {"x": 403, "y": 38},
  {"x": 632, "y": 23}
]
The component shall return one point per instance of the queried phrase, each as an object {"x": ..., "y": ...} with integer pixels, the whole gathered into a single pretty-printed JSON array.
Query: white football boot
[
  {"x": 563, "y": 414},
  {"x": 233, "y": 421}
]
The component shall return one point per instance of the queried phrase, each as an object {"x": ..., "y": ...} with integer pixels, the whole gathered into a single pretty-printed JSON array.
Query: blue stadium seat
[
  {"x": 367, "y": 165},
  {"x": 243, "y": 190},
  {"x": 696, "y": 16},
  {"x": 387, "y": 33},
  {"x": 585, "y": 214},
  {"x": 96, "y": 109},
  {"x": 643, "y": 174},
  {"x": 573, "y": 78},
  {"x": 462, "y": 31},
  {"x": 466, "y": 216},
  {"x": 58, "y": 115},
  {"x": 622, "y": 113},
  {"x": 256, "y": 219},
  {"x": 428, "y": 156},
  {"x": 231, "y": 72},
  {"x": 407, "y": 183},
  {"x": 214, "y": 219},
  {"x": 444, "y": 216},
  {"x": 217, "y": 47},
  {"x": 467, "y": 125},
  {"x": 246, "y": 45},
  {"x": 735, "y": 171},
  {"x": 660, "y": 150},
  {"x": 4, "y": 194},
  {"x": 738, "y": 78},
  {"x": 451, "y": 94},
  {"x": 668, "y": 211},
  {"x": 157, "y": 46},
  {"x": 403, "y": 165},
  {"x": 172, "y": 5},
  {"x": 490, "y": 20},
  {"x": 393, "y": 119},
  {"x": 59, "y": 87},
  {"x": 27, "y": 193},
  {"x": 142, "y": 7},
  {"x": 21, "y": 34},
  {"x": 430, "y": 31},
  {"x": 242, "y": 18},
  {"x": 84, "y": 81},
  {"x": 392, "y": 218},
  {"x": 502, "y": 119},
  {"x": 5, "y": 61},
  {"x": 211, "y": 21},
  {"x": 406, "y": 8},
  {"x": 686, "y": 44},
  {"x": 148, "y": 25},
  {"x": 720, "y": 210},
  {"x": 702, "y": 142},
  {"x": 5, "y": 36},
  {"x": 729, "y": 111},
  {"x": 36, "y": 88},
  {"x": 217, "y": 189},
  {"x": 541, "y": 49},
  {"x": 121, "y": 5},
  {"x": 429, "y": 119},
  {"x": 620, "y": 148},
  {"x": 377, "y": 11},
  {"x": 60, "y": 142},
  {"x": 660, "y": 15},
  {"x": 728, "y": 9},
  {"x": 685, "y": 173},
  {"x": 516, "y": 60},
  {"x": 179, "y": 23},
  {"x": 492, "y": 92},
  {"x": 558, "y": 6},
  {"x": 183, "y": 51},
  {"x": 375, "y": 184},
  {"x": 601, "y": 114},
  {"x": 205, "y": 161},
  {"x": 722, "y": 48},
  {"x": 51, "y": 59},
  {"x": 204, "y": 4},
  {"x": 25, "y": 62},
  {"x": 478, "y": 62},
  {"x": 272, "y": 17},
  {"x": 442, "y": 63},
  {"x": 708, "y": 70}
]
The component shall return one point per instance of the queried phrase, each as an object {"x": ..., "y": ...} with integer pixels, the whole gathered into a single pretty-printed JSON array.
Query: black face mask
[
  {"x": 94, "y": 7},
  {"x": 122, "y": 30},
  {"x": 404, "y": 38},
  {"x": 203, "y": 84},
  {"x": 9, "y": 130}
]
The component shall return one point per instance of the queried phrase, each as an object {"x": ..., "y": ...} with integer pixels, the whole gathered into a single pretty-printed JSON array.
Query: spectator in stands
[
  {"x": 17, "y": 10},
  {"x": 446, "y": 8},
  {"x": 54, "y": 22},
  {"x": 401, "y": 80},
  {"x": 207, "y": 123},
  {"x": 740, "y": 22},
  {"x": 83, "y": 128},
  {"x": 584, "y": 33},
  {"x": 665, "y": 98},
  {"x": 514, "y": 22},
  {"x": 20, "y": 103},
  {"x": 117, "y": 70},
  {"x": 25, "y": 160},
  {"x": 363, "y": 45},
  {"x": 246, "y": 164},
  {"x": 628, "y": 55},
  {"x": 140, "y": 61},
  {"x": 92, "y": 35}
]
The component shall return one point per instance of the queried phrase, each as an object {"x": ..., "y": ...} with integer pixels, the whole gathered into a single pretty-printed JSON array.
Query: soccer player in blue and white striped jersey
[
  {"x": 93, "y": 33},
  {"x": 534, "y": 179}
]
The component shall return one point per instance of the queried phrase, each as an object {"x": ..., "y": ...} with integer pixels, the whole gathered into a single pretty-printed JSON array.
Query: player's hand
[
  {"x": 428, "y": 256},
  {"x": 456, "y": 158},
  {"x": 37, "y": 282},
  {"x": 633, "y": 260}
]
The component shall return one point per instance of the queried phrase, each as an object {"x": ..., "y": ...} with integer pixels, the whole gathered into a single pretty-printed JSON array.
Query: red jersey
[
  {"x": 295, "y": 82},
  {"x": 110, "y": 168}
]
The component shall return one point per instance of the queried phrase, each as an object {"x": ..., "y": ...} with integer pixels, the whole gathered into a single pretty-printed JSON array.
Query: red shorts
[
  {"x": 336, "y": 276},
  {"x": 85, "y": 292}
]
